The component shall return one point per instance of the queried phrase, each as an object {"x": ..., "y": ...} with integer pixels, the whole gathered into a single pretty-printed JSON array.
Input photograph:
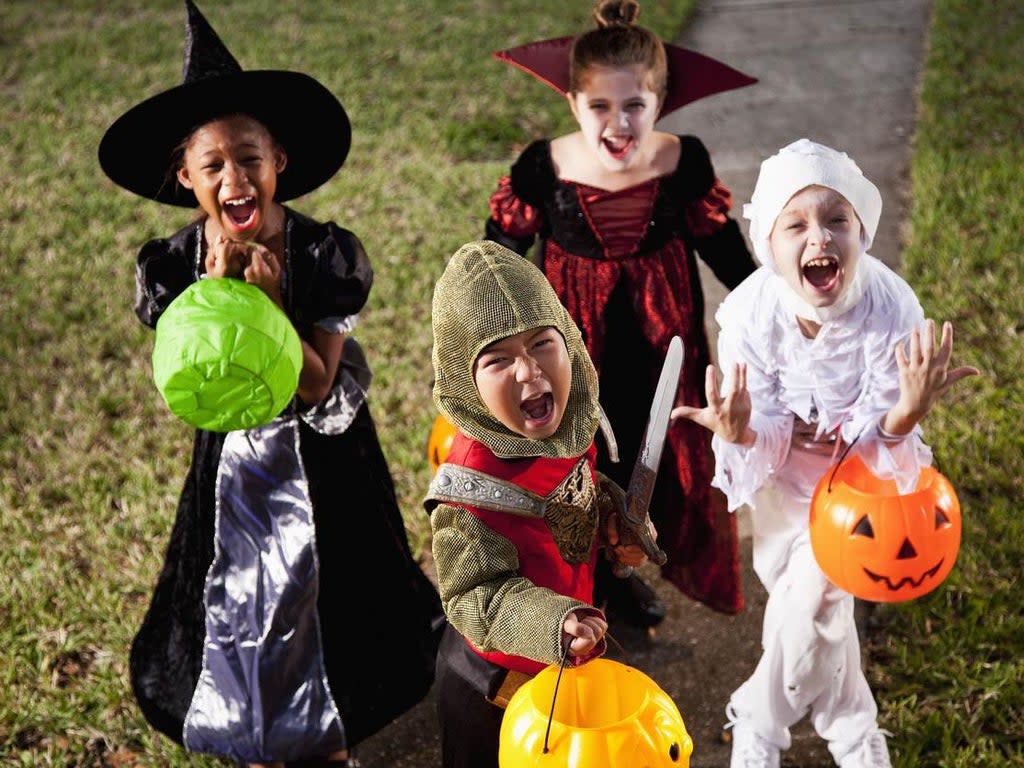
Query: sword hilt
[
  {"x": 654, "y": 553},
  {"x": 636, "y": 516},
  {"x": 634, "y": 525}
]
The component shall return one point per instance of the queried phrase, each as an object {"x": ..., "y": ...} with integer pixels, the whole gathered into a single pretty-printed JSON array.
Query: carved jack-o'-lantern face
[
  {"x": 878, "y": 544},
  {"x": 442, "y": 433},
  {"x": 606, "y": 715}
]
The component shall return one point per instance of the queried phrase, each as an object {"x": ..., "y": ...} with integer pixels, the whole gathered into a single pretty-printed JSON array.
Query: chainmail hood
[{"x": 487, "y": 293}]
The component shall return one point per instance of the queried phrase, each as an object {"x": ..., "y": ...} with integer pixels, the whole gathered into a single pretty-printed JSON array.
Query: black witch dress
[{"x": 267, "y": 638}]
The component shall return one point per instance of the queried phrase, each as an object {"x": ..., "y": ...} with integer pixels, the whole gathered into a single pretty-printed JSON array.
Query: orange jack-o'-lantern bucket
[
  {"x": 439, "y": 442},
  {"x": 881, "y": 545},
  {"x": 605, "y": 715}
]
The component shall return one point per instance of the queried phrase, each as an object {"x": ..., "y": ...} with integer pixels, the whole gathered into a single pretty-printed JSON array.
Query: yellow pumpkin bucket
[{"x": 605, "y": 715}]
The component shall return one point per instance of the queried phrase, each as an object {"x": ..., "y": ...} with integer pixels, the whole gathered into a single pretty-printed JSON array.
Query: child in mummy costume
[{"x": 822, "y": 347}]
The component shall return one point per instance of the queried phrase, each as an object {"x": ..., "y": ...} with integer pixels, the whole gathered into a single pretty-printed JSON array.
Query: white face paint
[
  {"x": 616, "y": 112},
  {"x": 816, "y": 245}
]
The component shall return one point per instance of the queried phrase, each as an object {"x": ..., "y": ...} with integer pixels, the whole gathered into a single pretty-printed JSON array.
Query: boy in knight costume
[{"x": 518, "y": 512}]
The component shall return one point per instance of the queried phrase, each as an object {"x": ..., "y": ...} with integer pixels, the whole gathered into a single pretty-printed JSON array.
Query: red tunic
[
  {"x": 540, "y": 560},
  {"x": 623, "y": 264}
]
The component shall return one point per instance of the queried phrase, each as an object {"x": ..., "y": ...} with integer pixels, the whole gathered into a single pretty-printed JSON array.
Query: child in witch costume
[
  {"x": 621, "y": 210},
  {"x": 518, "y": 512},
  {"x": 256, "y": 645},
  {"x": 823, "y": 346}
]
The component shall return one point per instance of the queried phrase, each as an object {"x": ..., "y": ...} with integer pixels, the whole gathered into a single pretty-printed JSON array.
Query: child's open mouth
[
  {"x": 539, "y": 409},
  {"x": 241, "y": 212},
  {"x": 822, "y": 273},
  {"x": 618, "y": 146}
]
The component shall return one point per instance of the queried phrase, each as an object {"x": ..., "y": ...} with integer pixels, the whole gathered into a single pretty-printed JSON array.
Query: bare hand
[
  {"x": 252, "y": 262},
  {"x": 586, "y": 633},
  {"x": 924, "y": 375},
  {"x": 727, "y": 416},
  {"x": 226, "y": 258},
  {"x": 264, "y": 272},
  {"x": 625, "y": 549}
]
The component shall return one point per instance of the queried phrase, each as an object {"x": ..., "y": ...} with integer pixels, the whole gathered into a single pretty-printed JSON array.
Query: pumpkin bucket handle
[
  {"x": 554, "y": 694},
  {"x": 846, "y": 451}
]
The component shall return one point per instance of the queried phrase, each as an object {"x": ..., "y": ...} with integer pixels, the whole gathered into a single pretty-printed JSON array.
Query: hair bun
[{"x": 616, "y": 13}]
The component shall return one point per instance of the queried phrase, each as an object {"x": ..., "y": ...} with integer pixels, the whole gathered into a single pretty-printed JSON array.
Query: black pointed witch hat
[
  {"x": 305, "y": 118},
  {"x": 691, "y": 75}
]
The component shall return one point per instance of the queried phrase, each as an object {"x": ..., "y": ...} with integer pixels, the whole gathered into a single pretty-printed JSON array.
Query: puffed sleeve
[
  {"x": 515, "y": 213},
  {"x": 709, "y": 213},
  {"x": 486, "y": 599},
  {"x": 342, "y": 276},
  {"x": 513, "y": 223},
  {"x": 163, "y": 270}
]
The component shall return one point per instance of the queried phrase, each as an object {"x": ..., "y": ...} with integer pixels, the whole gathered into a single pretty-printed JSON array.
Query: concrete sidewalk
[{"x": 841, "y": 72}]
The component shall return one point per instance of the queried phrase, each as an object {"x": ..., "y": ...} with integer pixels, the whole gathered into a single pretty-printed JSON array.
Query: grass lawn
[
  {"x": 91, "y": 462},
  {"x": 949, "y": 667}
]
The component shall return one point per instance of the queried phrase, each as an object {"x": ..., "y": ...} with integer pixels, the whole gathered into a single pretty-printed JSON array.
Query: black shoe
[{"x": 630, "y": 600}]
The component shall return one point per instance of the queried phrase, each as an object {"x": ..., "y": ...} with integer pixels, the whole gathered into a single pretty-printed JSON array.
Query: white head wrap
[{"x": 799, "y": 165}]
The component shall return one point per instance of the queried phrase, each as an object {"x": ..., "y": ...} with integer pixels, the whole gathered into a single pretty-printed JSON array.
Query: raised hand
[
  {"x": 728, "y": 415},
  {"x": 264, "y": 271},
  {"x": 924, "y": 375},
  {"x": 226, "y": 258}
]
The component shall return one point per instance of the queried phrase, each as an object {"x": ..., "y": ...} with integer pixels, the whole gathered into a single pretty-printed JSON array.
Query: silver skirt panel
[
  {"x": 263, "y": 693},
  {"x": 336, "y": 412}
]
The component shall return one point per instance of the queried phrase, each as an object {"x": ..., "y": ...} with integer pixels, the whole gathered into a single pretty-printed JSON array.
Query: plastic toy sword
[{"x": 641, "y": 483}]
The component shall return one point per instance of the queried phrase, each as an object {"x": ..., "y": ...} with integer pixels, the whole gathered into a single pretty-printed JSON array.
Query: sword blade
[{"x": 645, "y": 470}]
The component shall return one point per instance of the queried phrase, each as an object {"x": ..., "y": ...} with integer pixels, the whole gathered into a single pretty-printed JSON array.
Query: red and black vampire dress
[{"x": 624, "y": 265}]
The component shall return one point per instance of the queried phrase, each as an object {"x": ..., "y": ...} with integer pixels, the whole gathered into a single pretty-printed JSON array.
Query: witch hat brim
[
  {"x": 303, "y": 116},
  {"x": 691, "y": 75}
]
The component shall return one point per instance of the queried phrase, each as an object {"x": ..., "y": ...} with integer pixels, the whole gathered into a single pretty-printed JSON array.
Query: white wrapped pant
[{"x": 811, "y": 655}]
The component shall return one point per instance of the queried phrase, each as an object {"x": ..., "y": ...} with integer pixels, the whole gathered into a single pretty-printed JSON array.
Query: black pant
[{"x": 470, "y": 725}]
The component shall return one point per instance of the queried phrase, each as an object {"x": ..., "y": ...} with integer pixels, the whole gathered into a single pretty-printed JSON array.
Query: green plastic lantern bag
[{"x": 225, "y": 356}]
